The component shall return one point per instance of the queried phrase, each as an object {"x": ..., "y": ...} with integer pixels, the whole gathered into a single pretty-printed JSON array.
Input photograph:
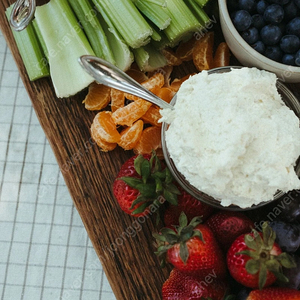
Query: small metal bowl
[{"x": 289, "y": 99}]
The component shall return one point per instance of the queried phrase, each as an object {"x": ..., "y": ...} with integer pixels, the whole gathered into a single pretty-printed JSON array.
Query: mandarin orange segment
[
  {"x": 137, "y": 75},
  {"x": 98, "y": 97},
  {"x": 106, "y": 128},
  {"x": 156, "y": 81},
  {"x": 105, "y": 146},
  {"x": 152, "y": 116},
  {"x": 176, "y": 83},
  {"x": 203, "y": 52},
  {"x": 131, "y": 135},
  {"x": 166, "y": 71},
  {"x": 117, "y": 99},
  {"x": 185, "y": 49},
  {"x": 171, "y": 57},
  {"x": 165, "y": 93},
  {"x": 222, "y": 56},
  {"x": 150, "y": 140},
  {"x": 130, "y": 113}
]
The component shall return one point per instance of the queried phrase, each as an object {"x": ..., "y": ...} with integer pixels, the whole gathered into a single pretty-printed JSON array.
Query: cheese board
[{"x": 123, "y": 244}]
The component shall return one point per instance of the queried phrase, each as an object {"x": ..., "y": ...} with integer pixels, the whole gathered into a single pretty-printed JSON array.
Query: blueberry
[
  {"x": 248, "y": 5},
  {"x": 259, "y": 46},
  {"x": 288, "y": 59},
  {"x": 287, "y": 235},
  {"x": 270, "y": 34},
  {"x": 243, "y": 294},
  {"x": 258, "y": 21},
  {"x": 250, "y": 35},
  {"x": 290, "y": 11},
  {"x": 281, "y": 2},
  {"x": 289, "y": 43},
  {"x": 293, "y": 275},
  {"x": 293, "y": 27},
  {"x": 297, "y": 58},
  {"x": 274, "y": 53},
  {"x": 274, "y": 14},
  {"x": 241, "y": 20},
  {"x": 261, "y": 6},
  {"x": 297, "y": 2}
]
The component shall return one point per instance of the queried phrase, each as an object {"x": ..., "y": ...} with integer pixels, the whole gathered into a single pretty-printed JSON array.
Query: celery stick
[
  {"x": 122, "y": 53},
  {"x": 155, "y": 11},
  {"x": 30, "y": 50},
  {"x": 183, "y": 21},
  {"x": 148, "y": 58},
  {"x": 201, "y": 3},
  {"x": 201, "y": 15},
  {"x": 87, "y": 16},
  {"x": 40, "y": 37},
  {"x": 127, "y": 20},
  {"x": 65, "y": 42}
]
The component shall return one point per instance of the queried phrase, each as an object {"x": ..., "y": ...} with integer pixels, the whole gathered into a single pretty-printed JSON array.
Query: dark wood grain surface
[{"x": 123, "y": 244}]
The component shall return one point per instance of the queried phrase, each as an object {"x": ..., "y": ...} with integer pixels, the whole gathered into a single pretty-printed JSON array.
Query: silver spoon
[
  {"x": 108, "y": 74},
  {"x": 22, "y": 13}
]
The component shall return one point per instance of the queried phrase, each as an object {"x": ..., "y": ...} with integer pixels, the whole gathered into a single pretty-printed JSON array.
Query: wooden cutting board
[{"x": 123, "y": 244}]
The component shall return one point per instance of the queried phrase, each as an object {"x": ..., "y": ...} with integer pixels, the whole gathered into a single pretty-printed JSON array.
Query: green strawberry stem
[
  {"x": 262, "y": 260},
  {"x": 154, "y": 182},
  {"x": 168, "y": 237}
]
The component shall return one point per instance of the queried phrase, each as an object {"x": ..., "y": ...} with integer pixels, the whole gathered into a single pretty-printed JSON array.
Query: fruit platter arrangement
[{"x": 153, "y": 238}]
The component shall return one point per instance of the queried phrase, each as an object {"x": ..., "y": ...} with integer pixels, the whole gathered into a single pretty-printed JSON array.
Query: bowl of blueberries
[{"x": 264, "y": 34}]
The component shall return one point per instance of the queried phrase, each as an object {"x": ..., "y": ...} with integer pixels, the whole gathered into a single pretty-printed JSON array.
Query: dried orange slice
[
  {"x": 117, "y": 99},
  {"x": 130, "y": 113},
  {"x": 105, "y": 127},
  {"x": 165, "y": 93},
  {"x": 203, "y": 52},
  {"x": 98, "y": 96},
  {"x": 137, "y": 75},
  {"x": 222, "y": 56},
  {"x": 185, "y": 49},
  {"x": 150, "y": 140},
  {"x": 131, "y": 135},
  {"x": 171, "y": 57},
  {"x": 105, "y": 146},
  {"x": 152, "y": 116}
]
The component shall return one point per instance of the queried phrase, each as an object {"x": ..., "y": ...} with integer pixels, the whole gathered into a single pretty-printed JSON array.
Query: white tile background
[{"x": 45, "y": 253}]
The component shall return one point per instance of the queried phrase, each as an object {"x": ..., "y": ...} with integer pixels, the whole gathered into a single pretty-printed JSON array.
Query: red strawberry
[
  {"x": 181, "y": 286},
  {"x": 191, "y": 206},
  {"x": 142, "y": 181},
  {"x": 228, "y": 225},
  {"x": 255, "y": 260},
  {"x": 191, "y": 248},
  {"x": 274, "y": 293}
]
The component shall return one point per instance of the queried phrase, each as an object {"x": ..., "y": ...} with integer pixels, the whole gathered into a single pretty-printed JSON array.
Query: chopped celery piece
[
  {"x": 183, "y": 21},
  {"x": 201, "y": 3},
  {"x": 65, "y": 43},
  {"x": 30, "y": 50},
  {"x": 87, "y": 17},
  {"x": 148, "y": 58},
  {"x": 122, "y": 53},
  {"x": 155, "y": 11},
  {"x": 127, "y": 20},
  {"x": 198, "y": 11},
  {"x": 40, "y": 37}
]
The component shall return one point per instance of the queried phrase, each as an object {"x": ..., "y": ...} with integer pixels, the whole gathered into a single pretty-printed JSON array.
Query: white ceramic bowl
[{"x": 249, "y": 57}]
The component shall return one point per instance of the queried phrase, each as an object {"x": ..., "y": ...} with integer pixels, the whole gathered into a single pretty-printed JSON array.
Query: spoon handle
[
  {"x": 108, "y": 74},
  {"x": 22, "y": 13}
]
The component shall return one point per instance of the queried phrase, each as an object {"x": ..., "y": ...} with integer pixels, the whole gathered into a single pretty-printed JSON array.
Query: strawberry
[
  {"x": 186, "y": 287},
  {"x": 274, "y": 293},
  {"x": 228, "y": 225},
  {"x": 191, "y": 206},
  {"x": 255, "y": 260},
  {"x": 141, "y": 182},
  {"x": 191, "y": 248}
]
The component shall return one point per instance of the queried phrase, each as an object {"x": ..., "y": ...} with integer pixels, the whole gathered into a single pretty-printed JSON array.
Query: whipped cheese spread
[{"x": 232, "y": 136}]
